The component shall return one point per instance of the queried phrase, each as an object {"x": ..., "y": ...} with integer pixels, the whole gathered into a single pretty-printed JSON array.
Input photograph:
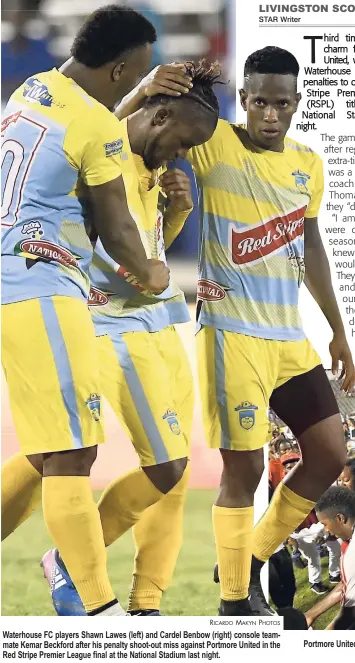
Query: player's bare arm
[
  {"x": 319, "y": 283},
  {"x": 329, "y": 601},
  {"x": 176, "y": 186},
  {"x": 120, "y": 237},
  {"x": 170, "y": 79}
]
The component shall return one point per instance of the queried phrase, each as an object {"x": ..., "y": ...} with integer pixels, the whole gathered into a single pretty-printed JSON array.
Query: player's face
[
  {"x": 289, "y": 466},
  {"x": 173, "y": 137},
  {"x": 285, "y": 448},
  {"x": 336, "y": 526},
  {"x": 127, "y": 75},
  {"x": 270, "y": 101},
  {"x": 346, "y": 480}
]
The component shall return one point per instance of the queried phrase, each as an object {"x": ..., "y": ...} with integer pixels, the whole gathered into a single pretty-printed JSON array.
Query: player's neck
[
  {"x": 85, "y": 79},
  {"x": 136, "y": 133}
]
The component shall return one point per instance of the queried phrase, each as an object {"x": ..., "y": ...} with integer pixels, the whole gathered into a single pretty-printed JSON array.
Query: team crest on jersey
[
  {"x": 36, "y": 92},
  {"x": 94, "y": 405},
  {"x": 115, "y": 147},
  {"x": 210, "y": 291},
  {"x": 246, "y": 412},
  {"x": 301, "y": 180},
  {"x": 41, "y": 250},
  {"x": 33, "y": 228},
  {"x": 171, "y": 417}
]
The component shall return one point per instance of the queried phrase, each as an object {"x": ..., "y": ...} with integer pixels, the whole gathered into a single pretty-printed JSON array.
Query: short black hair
[
  {"x": 271, "y": 60},
  {"x": 109, "y": 32},
  {"x": 203, "y": 76},
  {"x": 337, "y": 500}
]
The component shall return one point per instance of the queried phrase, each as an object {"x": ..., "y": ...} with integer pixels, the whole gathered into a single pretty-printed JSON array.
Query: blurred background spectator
[{"x": 37, "y": 35}]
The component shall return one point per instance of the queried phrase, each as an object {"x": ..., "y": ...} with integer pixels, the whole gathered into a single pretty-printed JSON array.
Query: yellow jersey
[{"x": 253, "y": 206}]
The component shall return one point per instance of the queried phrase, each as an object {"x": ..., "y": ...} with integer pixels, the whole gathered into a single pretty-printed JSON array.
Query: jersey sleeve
[
  {"x": 317, "y": 190},
  {"x": 93, "y": 145},
  {"x": 205, "y": 156}
]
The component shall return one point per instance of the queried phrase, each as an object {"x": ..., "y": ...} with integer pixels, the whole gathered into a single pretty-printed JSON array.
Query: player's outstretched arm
[
  {"x": 177, "y": 188},
  {"x": 319, "y": 283},
  {"x": 169, "y": 79},
  {"x": 120, "y": 237},
  {"x": 329, "y": 601}
]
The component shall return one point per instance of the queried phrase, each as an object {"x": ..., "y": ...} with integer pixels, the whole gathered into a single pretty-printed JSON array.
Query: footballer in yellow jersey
[
  {"x": 260, "y": 197},
  {"x": 58, "y": 129},
  {"x": 145, "y": 373}
]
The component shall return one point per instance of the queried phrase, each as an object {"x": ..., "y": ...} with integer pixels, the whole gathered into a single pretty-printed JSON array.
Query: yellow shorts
[
  {"x": 238, "y": 376},
  {"x": 49, "y": 355},
  {"x": 146, "y": 377}
]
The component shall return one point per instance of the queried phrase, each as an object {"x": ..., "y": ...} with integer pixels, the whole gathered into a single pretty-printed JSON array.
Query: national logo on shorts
[
  {"x": 94, "y": 405},
  {"x": 115, "y": 147},
  {"x": 246, "y": 412},
  {"x": 301, "y": 180},
  {"x": 171, "y": 417}
]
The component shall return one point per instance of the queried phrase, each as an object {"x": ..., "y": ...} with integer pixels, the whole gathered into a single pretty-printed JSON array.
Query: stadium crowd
[{"x": 310, "y": 543}]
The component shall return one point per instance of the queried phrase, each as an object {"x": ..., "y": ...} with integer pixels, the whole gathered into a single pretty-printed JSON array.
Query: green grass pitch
[{"x": 25, "y": 592}]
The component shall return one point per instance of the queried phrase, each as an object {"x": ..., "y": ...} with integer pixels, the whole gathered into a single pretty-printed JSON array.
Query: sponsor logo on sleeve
[
  {"x": 254, "y": 244},
  {"x": 36, "y": 92},
  {"x": 210, "y": 291},
  {"x": 113, "y": 148}
]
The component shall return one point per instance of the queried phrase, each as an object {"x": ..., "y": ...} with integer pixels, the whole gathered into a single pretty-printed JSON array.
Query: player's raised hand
[
  {"x": 157, "y": 276},
  {"x": 176, "y": 186},
  {"x": 340, "y": 351},
  {"x": 170, "y": 79}
]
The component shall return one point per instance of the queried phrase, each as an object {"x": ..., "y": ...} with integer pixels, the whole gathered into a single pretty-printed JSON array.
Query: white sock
[{"x": 115, "y": 610}]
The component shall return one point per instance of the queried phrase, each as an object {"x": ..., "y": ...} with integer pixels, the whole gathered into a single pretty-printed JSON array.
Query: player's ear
[
  {"x": 161, "y": 116},
  {"x": 117, "y": 71},
  {"x": 243, "y": 98},
  {"x": 298, "y": 99}
]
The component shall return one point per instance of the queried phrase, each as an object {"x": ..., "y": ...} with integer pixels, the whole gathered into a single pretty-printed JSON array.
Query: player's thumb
[{"x": 335, "y": 365}]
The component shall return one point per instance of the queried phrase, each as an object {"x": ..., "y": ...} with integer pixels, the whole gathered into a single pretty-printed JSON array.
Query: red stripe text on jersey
[{"x": 255, "y": 243}]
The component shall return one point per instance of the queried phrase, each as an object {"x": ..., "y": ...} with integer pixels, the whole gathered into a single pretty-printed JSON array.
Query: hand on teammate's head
[{"x": 170, "y": 79}]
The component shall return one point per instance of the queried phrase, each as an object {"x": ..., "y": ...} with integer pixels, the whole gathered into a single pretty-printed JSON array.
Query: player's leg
[
  {"x": 334, "y": 551},
  {"x": 54, "y": 395},
  {"x": 310, "y": 553},
  {"x": 235, "y": 372},
  {"x": 21, "y": 490},
  {"x": 134, "y": 379},
  {"x": 306, "y": 403},
  {"x": 158, "y": 534}
]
